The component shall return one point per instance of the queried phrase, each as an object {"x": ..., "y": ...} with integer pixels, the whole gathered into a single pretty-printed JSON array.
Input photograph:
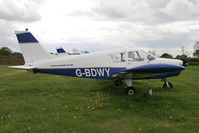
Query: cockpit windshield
[{"x": 140, "y": 56}]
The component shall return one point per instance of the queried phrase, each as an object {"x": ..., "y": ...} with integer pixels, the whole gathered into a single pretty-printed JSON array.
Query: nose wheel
[{"x": 130, "y": 91}]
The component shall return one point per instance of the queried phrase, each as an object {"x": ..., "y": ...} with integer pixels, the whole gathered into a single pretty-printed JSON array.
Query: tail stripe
[{"x": 26, "y": 38}]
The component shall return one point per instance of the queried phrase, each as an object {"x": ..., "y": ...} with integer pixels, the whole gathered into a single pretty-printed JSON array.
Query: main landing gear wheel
[
  {"x": 130, "y": 91},
  {"x": 128, "y": 86},
  {"x": 167, "y": 85}
]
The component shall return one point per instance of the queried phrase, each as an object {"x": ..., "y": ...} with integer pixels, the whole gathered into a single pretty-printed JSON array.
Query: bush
[{"x": 193, "y": 61}]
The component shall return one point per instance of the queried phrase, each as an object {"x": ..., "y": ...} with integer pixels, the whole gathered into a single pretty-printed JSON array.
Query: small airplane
[
  {"x": 60, "y": 50},
  {"x": 120, "y": 65}
]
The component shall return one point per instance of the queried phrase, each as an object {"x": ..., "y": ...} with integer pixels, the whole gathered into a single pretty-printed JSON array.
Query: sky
[{"x": 96, "y": 25}]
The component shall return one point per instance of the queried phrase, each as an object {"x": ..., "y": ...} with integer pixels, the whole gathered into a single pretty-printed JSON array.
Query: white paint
[
  {"x": 78, "y": 73},
  {"x": 96, "y": 64}
]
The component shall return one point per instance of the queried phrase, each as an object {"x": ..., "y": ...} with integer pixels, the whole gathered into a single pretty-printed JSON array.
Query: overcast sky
[{"x": 95, "y": 25}]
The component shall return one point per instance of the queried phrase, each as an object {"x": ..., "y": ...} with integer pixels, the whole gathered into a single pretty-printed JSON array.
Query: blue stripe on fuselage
[
  {"x": 156, "y": 68},
  {"x": 26, "y": 38},
  {"x": 149, "y": 71},
  {"x": 97, "y": 73}
]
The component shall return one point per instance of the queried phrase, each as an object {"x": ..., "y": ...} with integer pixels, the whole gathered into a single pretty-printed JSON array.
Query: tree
[
  {"x": 5, "y": 51},
  {"x": 196, "y": 53},
  {"x": 185, "y": 52},
  {"x": 196, "y": 46},
  {"x": 181, "y": 57},
  {"x": 17, "y": 54},
  {"x": 166, "y": 55},
  {"x": 196, "y": 50}
]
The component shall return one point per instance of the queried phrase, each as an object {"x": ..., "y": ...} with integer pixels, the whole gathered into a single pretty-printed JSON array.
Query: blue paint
[
  {"x": 26, "y": 38},
  {"x": 60, "y": 50},
  {"x": 156, "y": 68},
  {"x": 158, "y": 75},
  {"x": 97, "y": 73},
  {"x": 149, "y": 71}
]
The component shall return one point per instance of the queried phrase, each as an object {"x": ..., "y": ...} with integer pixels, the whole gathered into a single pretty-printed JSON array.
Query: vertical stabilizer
[{"x": 30, "y": 47}]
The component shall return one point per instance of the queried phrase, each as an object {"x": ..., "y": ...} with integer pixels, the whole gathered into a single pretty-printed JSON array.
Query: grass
[{"x": 32, "y": 103}]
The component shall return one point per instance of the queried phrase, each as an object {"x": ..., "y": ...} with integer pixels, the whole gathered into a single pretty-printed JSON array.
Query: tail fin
[
  {"x": 31, "y": 49},
  {"x": 60, "y": 50}
]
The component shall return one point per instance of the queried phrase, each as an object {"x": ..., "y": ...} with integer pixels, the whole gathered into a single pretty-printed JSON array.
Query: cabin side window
[
  {"x": 119, "y": 57},
  {"x": 135, "y": 56}
]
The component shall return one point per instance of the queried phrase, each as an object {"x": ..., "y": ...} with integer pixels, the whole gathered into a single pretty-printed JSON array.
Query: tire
[{"x": 131, "y": 91}]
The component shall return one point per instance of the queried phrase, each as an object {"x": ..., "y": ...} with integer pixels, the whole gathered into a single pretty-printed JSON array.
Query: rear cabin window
[{"x": 119, "y": 57}]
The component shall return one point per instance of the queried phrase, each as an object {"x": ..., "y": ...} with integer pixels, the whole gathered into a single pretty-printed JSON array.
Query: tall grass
[{"x": 55, "y": 104}]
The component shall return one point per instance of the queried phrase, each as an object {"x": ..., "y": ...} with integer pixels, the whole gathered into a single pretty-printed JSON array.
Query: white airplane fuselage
[
  {"x": 99, "y": 65},
  {"x": 120, "y": 63}
]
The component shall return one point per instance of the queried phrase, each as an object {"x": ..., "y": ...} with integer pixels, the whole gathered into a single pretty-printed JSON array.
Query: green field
[{"x": 35, "y": 103}]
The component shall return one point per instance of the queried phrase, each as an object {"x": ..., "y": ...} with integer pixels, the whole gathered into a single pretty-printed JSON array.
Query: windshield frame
[{"x": 150, "y": 56}]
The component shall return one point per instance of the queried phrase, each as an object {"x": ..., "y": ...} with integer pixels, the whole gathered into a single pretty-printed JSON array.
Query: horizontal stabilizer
[{"x": 22, "y": 67}]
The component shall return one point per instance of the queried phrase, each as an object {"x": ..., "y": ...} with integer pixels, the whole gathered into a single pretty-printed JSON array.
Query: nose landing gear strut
[{"x": 167, "y": 84}]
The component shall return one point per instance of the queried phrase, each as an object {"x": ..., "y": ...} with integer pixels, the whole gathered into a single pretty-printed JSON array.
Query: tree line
[
  {"x": 6, "y": 52},
  {"x": 8, "y": 57},
  {"x": 194, "y": 60}
]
